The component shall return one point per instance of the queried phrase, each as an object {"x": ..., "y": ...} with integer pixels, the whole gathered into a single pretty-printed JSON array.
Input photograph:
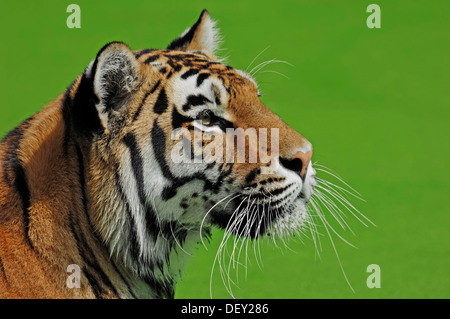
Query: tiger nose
[
  {"x": 299, "y": 162},
  {"x": 305, "y": 159}
]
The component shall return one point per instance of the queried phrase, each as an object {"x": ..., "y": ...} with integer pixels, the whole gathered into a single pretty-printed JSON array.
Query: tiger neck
[{"x": 149, "y": 252}]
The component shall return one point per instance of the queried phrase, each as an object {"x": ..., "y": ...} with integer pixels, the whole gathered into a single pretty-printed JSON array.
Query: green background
[{"x": 374, "y": 103}]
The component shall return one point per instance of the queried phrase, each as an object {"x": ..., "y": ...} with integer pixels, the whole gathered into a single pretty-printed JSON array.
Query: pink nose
[{"x": 303, "y": 160}]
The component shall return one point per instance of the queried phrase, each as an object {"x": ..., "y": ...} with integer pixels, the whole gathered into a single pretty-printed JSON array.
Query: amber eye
[{"x": 205, "y": 118}]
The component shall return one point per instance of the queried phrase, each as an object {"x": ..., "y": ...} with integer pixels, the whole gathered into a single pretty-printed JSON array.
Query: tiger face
[{"x": 156, "y": 127}]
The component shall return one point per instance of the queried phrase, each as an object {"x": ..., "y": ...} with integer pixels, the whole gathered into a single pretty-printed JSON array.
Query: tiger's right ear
[
  {"x": 115, "y": 76},
  {"x": 105, "y": 89}
]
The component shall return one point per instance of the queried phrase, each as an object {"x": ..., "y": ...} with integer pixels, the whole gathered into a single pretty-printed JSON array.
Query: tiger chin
[{"x": 90, "y": 179}]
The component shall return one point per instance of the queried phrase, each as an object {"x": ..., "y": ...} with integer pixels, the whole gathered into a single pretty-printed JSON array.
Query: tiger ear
[
  {"x": 202, "y": 36},
  {"x": 115, "y": 75}
]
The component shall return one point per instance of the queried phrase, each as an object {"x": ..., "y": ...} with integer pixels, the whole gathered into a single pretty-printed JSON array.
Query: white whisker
[
  {"x": 257, "y": 56},
  {"x": 332, "y": 243}
]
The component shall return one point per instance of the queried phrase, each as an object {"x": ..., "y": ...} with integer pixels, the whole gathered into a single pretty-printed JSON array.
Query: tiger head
[{"x": 155, "y": 129}]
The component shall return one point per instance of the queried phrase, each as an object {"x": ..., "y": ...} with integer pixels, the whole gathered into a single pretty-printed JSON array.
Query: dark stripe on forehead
[
  {"x": 202, "y": 77},
  {"x": 151, "y": 59},
  {"x": 161, "y": 103},
  {"x": 175, "y": 57},
  {"x": 195, "y": 100},
  {"x": 212, "y": 63},
  {"x": 175, "y": 66},
  {"x": 189, "y": 73},
  {"x": 142, "y": 52}
]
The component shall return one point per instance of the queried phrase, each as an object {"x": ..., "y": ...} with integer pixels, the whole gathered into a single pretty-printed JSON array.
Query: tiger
[{"x": 89, "y": 181}]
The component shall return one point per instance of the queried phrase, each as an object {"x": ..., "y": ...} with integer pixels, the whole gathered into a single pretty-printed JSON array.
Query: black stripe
[
  {"x": 142, "y": 52},
  {"x": 211, "y": 63},
  {"x": 252, "y": 175},
  {"x": 155, "y": 87},
  {"x": 176, "y": 57},
  {"x": 93, "y": 283},
  {"x": 82, "y": 112},
  {"x": 203, "y": 61},
  {"x": 12, "y": 164},
  {"x": 2, "y": 270},
  {"x": 138, "y": 112},
  {"x": 202, "y": 77},
  {"x": 138, "y": 171},
  {"x": 159, "y": 149},
  {"x": 217, "y": 96},
  {"x": 274, "y": 203},
  {"x": 187, "y": 64},
  {"x": 151, "y": 59},
  {"x": 13, "y": 139},
  {"x": 161, "y": 103},
  {"x": 195, "y": 100},
  {"x": 175, "y": 66},
  {"x": 21, "y": 185},
  {"x": 279, "y": 190},
  {"x": 178, "y": 119},
  {"x": 189, "y": 73}
]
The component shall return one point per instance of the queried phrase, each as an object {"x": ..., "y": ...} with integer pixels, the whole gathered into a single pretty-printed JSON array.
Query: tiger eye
[{"x": 206, "y": 119}]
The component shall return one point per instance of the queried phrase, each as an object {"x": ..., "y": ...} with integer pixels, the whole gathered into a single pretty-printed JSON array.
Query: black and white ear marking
[
  {"x": 115, "y": 75},
  {"x": 202, "y": 36}
]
